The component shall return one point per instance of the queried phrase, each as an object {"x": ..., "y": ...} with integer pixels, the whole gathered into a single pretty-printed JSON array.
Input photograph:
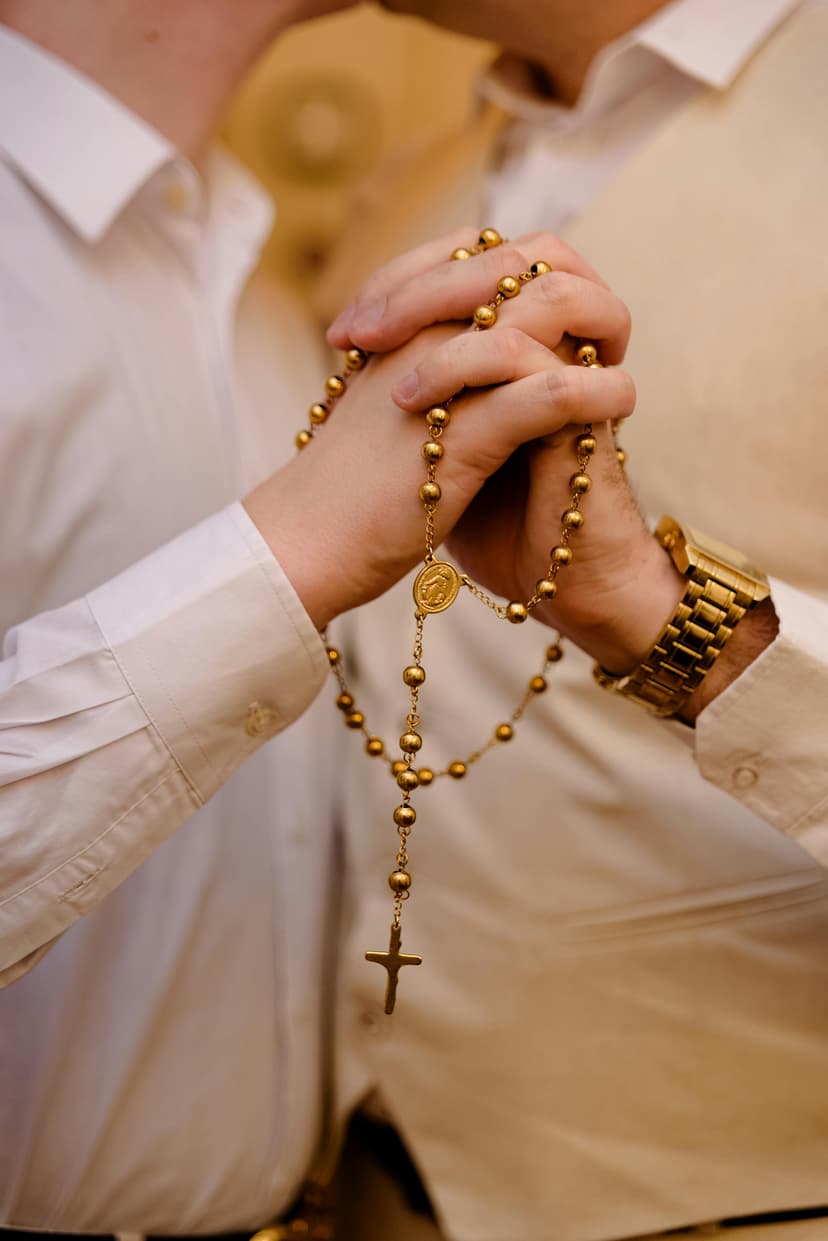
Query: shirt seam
[
  {"x": 812, "y": 810},
  {"x": 195, "y": 791},
  {"x": 36, "y": 883}
]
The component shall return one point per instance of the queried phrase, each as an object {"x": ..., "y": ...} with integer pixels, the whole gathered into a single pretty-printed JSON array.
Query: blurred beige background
[{"x": 338, "y": 102}]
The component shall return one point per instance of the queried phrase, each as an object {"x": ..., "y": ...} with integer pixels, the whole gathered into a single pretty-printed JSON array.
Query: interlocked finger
[
  {"x": 398, "y": 304},
  {"x": 548, "y": 400},
  {"x": 511, "y": 350}
]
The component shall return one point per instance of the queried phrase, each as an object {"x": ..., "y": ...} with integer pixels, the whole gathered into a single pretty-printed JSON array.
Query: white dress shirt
[
  {"x": 161, "y": 1067},
  {"x": 621, "y": 1020}
]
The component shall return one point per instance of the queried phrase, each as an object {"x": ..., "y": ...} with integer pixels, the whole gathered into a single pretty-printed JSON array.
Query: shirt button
[
  {"x": 744, "y": 778},
  {"x": 259, "y": 719}
]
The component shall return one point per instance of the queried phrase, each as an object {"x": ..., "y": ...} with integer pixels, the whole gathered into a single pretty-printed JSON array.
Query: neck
[
  {"x": 174, "y": 64},
  {"x": 580, "y": 32}
]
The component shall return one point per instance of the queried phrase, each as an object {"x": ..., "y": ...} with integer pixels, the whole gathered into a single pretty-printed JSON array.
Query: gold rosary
[{"x": 436, "y": 587}]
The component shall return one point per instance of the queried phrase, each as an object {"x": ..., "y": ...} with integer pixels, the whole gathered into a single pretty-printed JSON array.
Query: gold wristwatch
[{"x": 721, "y": 587}]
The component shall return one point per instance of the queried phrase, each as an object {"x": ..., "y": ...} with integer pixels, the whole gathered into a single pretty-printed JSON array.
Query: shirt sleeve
[
  {"x": 764, "y": 740},
  {"x": 123, "y": 712}
]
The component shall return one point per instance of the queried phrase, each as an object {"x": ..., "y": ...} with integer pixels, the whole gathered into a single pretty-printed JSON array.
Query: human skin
[
  {"x": 622, "y": 587},
  {"x": 177, "y": 64},
  {"x": 560, "y": 37},
  {"x": 344, "y": 518}
]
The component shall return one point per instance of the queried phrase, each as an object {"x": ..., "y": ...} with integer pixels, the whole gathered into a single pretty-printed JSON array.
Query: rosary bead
[
  {"x": 303, "y": 439},
  {"x": 354, "y": 719},
  {"x": 573, "y": 519},
  {"x": 438, "y": 417},
  {"x": 334, "y": 385},
  {"x": 620, "y": 456},
  {"x": 410, "y": 743},
  {"x": 504, "y": 732},
  {"x": 398, "y": 766},
  {"x": 317, "y": 413},
  {"x": 426, "y": 776},
  {"x": 540, "y": 268},
  {"x": 554, "y": 653},
  {"x": 414, "y": 674},
  {"x": 587, "y": 354},
  {"x": 408, "y": 780},
  {"x": 374, "y": 747},
  {"x": 516, "y": 612},
  {"x": 508, "y": 286},
  {"x": 580, "y": 482},
  {"x": 489, "y": 238},
  {"x": 561, "y": 555},
  {"x": 457, "y": 770},
  {"x": 546, "y": 589},
  {"x": 405, "y": 816},
  {"x": 586, "y": 445},
  {"x": 345, "y": 702},
  {"x": 334, "y": 656},
  {"x": 430, "y": 492},
  {"x": 432, "y": 451},
  {"x": 460, "y": 253},
  {"x": 537, "y": 685},
  {"x": 485, "y": 316},
  {"x": 355, "y": 359},
  {"x": 399, "y": 881}
]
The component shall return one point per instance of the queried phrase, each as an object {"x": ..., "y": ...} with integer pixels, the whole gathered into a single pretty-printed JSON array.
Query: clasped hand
[{"x": 344, "y": 518}]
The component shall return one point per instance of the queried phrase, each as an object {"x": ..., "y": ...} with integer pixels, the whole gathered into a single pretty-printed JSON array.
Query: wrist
[
  {"x": 754, "y": 634},
  {"x": 721, "y": 587},
  {"x": 634, "y": 612},
  {"x": 299, "y": 558}
]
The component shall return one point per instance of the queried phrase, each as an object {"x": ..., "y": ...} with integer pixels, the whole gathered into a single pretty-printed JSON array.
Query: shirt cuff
[
  {"x": 763, "y": 739},
  {"x": 215, "y": 645}
]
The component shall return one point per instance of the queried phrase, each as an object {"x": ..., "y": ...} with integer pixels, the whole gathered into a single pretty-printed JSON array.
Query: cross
[{"x": 393, "y": 960}]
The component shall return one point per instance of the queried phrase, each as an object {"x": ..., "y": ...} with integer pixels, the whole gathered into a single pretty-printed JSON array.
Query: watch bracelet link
[{"x": 715, "y": 600}]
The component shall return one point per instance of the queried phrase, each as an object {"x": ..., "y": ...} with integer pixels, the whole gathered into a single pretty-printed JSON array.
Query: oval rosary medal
[
  {"x": 436, "y": 586},
  {"x": 435, "y": 589}
]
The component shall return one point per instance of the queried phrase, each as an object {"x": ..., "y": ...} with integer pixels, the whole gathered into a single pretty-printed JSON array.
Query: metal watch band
[{"x": 716, "y": 598}]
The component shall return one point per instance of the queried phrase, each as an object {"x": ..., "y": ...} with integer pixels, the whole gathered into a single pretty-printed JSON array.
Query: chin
[{"x": 416, "y": 8}]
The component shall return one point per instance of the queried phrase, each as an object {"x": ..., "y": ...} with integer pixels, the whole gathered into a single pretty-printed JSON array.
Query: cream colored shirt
[
  {"x": 621, "y": 1020},
  {"x": 161, "y": 1067},
  {"x": 556, "y": 159}
]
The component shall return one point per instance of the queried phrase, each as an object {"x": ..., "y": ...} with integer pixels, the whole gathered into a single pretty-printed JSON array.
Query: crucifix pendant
[{"x": 393, "y": 960}]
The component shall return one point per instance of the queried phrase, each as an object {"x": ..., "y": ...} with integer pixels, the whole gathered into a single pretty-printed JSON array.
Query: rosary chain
[{"x": 440, "y": 592}]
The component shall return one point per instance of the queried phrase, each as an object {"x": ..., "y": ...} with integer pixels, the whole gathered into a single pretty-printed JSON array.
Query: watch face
[{"x": 687, "y": 546}]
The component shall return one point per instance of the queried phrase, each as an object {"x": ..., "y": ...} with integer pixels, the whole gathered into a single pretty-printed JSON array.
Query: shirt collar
[
  {"x": 707, "y": 40},
  {"x": 77, "y": 146}
]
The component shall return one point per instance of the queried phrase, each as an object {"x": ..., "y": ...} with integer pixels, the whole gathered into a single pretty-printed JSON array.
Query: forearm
[{"x": 122, "y": 713}]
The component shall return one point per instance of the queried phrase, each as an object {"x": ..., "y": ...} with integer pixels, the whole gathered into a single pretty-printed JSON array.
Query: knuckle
[
  {"x": 556, "y": 290},
  {"x": 450, "y": 366},
  {"x": 560, "y": 385},
  {"x": 509, "y": 258},
  {"x": 460, "y": 349},
  {"x": 551, "y": 243},
  {"x": 510, "y": 343},
  {"x": 366, "y": 294}
]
